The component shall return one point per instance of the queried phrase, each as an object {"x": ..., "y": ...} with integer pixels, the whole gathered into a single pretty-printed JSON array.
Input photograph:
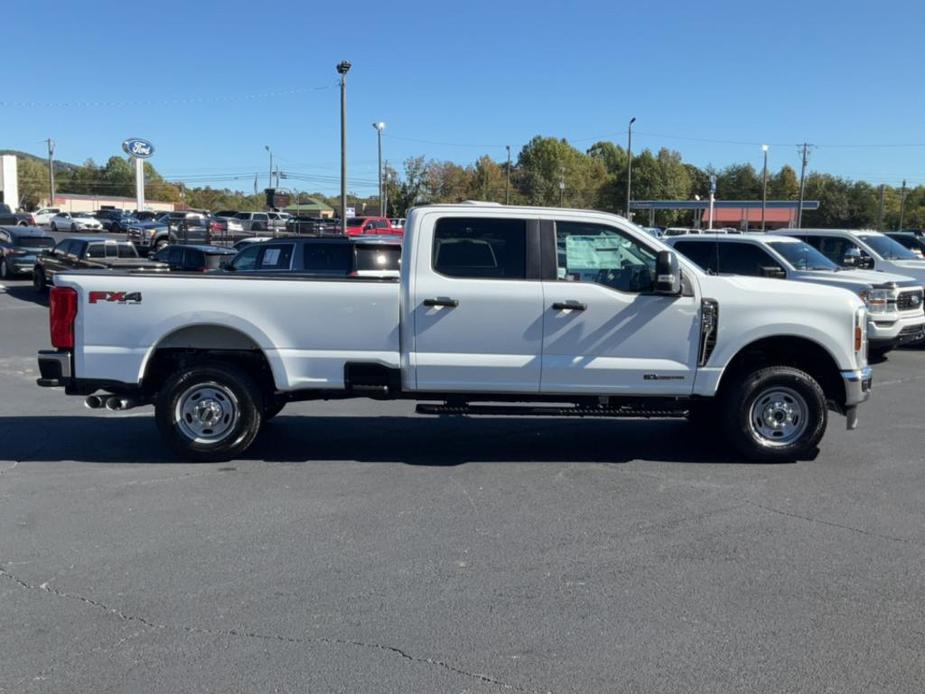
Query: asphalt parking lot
[{"x": 361, "y": 548}]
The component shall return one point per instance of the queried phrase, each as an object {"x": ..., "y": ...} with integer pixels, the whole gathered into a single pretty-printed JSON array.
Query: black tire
[
  {"x": 159, "y": 244},
  {"x": 38, "y": 280},
  {"x": 775, "y": 414},
  {"x": 223, "y": 397},
  {"x": 5, "y": 273},
  {"x": 54, "y": 227},
  {"x": 273, "y": 408},
  {"x": 73, "y": 227}
]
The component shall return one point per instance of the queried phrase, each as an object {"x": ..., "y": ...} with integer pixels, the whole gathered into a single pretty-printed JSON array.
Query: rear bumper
[
  {"x": 20, "y": 265},
  {"x": 55, "y": 368}
]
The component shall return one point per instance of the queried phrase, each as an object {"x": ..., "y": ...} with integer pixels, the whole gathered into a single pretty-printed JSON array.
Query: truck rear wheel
[
  {"x": 210, "y": 412},
  {"x": 775, "y": 414}
]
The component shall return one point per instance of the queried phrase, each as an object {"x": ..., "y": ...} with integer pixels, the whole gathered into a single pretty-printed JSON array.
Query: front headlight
[{"x": 878, "y": 300}]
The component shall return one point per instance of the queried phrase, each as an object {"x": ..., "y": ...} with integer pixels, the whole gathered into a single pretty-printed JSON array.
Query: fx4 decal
[{"x": 115, "y": 297}]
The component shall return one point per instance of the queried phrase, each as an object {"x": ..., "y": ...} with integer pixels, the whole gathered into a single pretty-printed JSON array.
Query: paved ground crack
[
  {"x": 891, "y": 538},
  {"x": 238, "y": 633}
]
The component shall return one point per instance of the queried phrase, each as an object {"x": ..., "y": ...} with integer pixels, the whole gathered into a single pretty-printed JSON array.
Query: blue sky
[{"x": 211, "y": 83}]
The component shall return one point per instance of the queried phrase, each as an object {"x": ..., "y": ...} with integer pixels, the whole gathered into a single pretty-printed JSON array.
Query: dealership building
[{"x": 69, "y": 202}]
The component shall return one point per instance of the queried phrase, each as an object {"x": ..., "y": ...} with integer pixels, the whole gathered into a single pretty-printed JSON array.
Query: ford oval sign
[{"x": 138, "y": 148}]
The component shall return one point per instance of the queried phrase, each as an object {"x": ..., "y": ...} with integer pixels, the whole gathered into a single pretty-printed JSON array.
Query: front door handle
[
  {"x": 569, "y": 306},
  {"x": 442, "y": 301}
]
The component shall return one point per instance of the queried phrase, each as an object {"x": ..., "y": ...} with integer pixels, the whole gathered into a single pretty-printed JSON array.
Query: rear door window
[
  {"x": 327, "y": 258},
  {"x": 479, "y": 248},
  {"x": 382, "y": 257},
  {"x": 96, "y": 250},
  {"x": 704, "y": 255}
]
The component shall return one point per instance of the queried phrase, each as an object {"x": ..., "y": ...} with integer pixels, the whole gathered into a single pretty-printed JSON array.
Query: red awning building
[{"x": 749, "y": 217}]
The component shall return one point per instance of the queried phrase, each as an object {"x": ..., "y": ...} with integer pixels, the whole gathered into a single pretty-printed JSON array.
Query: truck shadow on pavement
[
  {"x": 24, "y": 291},
  {"x": 409, "y": 440}
]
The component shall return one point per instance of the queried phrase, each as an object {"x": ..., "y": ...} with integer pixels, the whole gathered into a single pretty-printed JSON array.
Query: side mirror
[
  {"x": 229, "y": 268},
  {"x": 773, "y": 272},
  {"x": 867, "y": 263},
  {"x": 852, "y": 258},
  {"x": 667, "y": 274}
]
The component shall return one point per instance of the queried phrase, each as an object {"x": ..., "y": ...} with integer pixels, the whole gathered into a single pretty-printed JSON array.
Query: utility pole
[
  {"x": 805, "y": 148},
  {"x": 561, "y": 186},
  {"x": 629, "y": 167},
  {"x": 764, "y": 190},
  {"x": 343, "y": 67},
  {"x": 902, "y": 206},
  {"x": 880, "y": 213},
  {"x": 380, "y": 126},
  {"x": 51, "y": 172},
  {"x": 507, "y": 184}
]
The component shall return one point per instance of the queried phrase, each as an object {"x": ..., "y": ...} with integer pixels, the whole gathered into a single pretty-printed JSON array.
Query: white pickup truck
[{"x": 498, "y": 311}]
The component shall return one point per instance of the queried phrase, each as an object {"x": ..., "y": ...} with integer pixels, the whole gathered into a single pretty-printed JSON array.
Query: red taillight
[
  {"x": 215, "y": 226},
  {"x": 61, "y": 315}
]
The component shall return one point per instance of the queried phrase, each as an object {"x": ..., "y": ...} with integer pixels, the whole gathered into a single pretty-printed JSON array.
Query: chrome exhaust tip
[{"x": 95, "y": 402}]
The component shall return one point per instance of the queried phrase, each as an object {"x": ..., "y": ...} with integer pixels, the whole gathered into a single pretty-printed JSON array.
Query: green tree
[
  {"x": 739, "y": 182},
  {"x": 33, "y": 181},
  {"x": 784, "y": 185}
]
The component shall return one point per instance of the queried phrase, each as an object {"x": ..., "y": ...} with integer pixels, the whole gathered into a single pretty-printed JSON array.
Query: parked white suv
[{"x": 894, "y": 302}]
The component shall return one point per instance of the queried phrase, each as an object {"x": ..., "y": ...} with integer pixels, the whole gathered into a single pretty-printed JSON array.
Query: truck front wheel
[
  {"x": 775, "y": 414},
  {"x": 210, "y": 412}
]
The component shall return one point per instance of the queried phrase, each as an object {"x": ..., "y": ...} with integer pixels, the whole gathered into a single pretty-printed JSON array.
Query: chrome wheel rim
[
  {"x": 3, "y": 269},
  {"x": 778, "y": 417},
  {"x": 207, "y": 413}
]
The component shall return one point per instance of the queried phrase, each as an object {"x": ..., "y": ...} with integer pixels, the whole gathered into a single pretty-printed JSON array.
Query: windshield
[
  {"x": 35, "y": 241},
  {"x": 803, "y": 256},
  {"x": 355, "y": 221},
  {"x": 888, "y": 249}
]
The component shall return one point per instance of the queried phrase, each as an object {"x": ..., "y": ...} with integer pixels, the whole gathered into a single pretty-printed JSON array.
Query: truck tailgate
[{"x": 307, "y": 328}]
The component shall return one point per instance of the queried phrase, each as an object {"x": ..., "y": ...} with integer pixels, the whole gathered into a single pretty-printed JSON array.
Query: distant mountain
[{"x": 59, "y": 165}]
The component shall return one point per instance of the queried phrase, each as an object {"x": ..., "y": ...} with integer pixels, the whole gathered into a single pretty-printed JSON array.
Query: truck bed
[{"x": 307, "y": 327}]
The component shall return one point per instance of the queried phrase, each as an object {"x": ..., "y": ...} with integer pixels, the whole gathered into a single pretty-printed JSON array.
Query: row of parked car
[
  {"x": 887, "y": 275},
  {"x": 31, "y": 250}
]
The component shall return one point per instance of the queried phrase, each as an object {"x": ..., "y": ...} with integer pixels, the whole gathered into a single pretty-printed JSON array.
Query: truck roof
[
  {"x": 733, "y": 238},
  {"x": 832, "y": 232}
]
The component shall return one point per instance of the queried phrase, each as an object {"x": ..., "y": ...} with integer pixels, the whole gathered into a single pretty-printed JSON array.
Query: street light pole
[
  {"x": 343, "y": 68},
  {"x": 51, "y": 172},
  {"x": 380, "y": 126},
  {"x": 629, "y": 167},
  {"x": 507, "y": 184},
  {"x": 764, "y": 189},
  {"x": 270, "y": 178},
  {"x": 902, "y": 206}
]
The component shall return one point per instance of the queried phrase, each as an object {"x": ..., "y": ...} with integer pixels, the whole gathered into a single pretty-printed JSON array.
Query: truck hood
[
  {"x": 134, "y": 264},
  {"x": 910, "y": 268},
  {"x": 780, "y": 293},
  {"x": 857, "y": 280}
]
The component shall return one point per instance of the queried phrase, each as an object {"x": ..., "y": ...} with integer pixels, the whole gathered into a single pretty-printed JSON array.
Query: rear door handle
[
  {"x": 569, "y": 306},
  {"x": 442, "y": 301}
]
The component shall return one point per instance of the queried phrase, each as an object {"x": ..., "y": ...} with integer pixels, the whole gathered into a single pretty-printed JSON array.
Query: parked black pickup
[{"x": 89, "y": 253}]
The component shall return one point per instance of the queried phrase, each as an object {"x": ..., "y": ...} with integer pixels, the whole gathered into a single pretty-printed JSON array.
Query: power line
[{"x": 165, "y": 102}]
